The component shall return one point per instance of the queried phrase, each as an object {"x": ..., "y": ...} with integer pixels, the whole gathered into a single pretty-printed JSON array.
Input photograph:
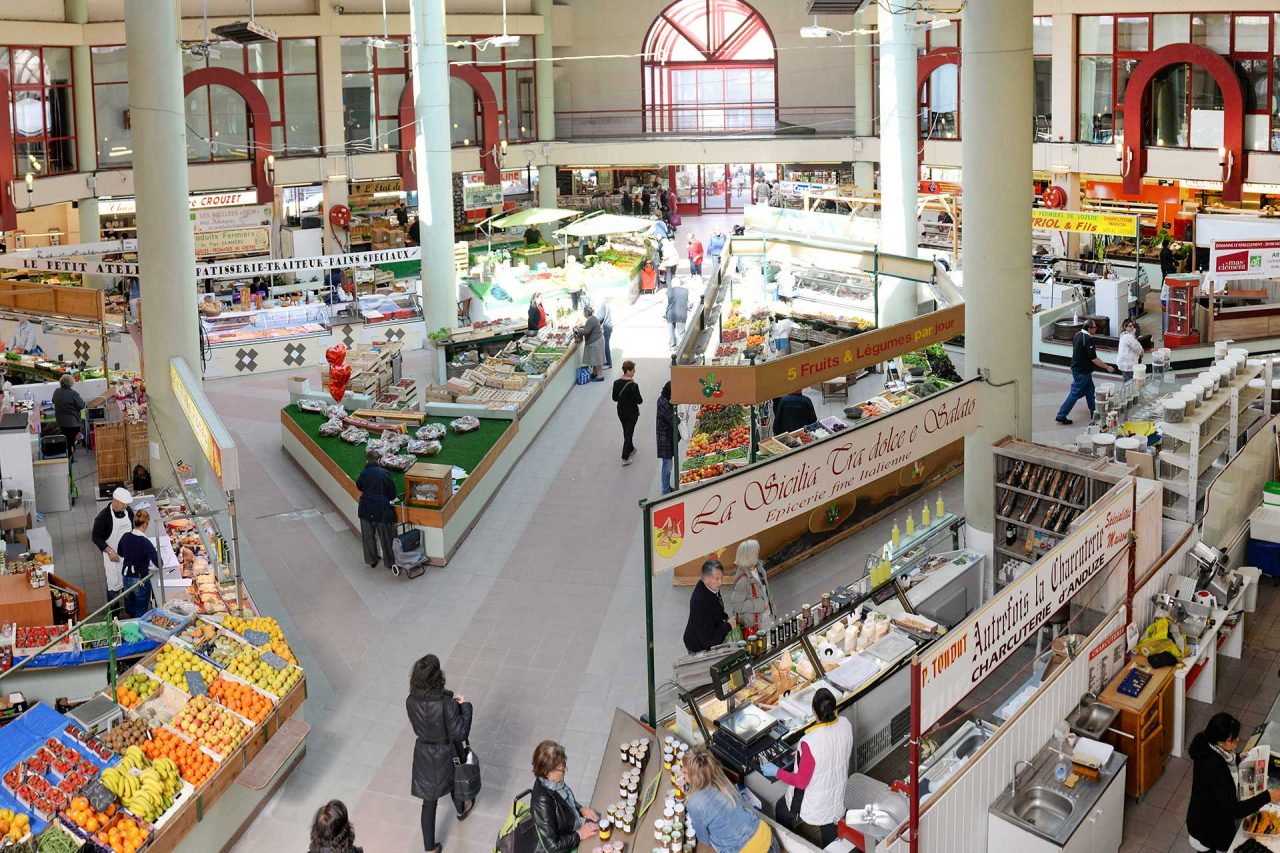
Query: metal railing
[{"x": 715, "y": 120}]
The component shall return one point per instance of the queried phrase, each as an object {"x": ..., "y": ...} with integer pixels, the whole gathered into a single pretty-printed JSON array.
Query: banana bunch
[
  {"x": 158, "y": 785},
  {"x": 134, "y": 759},
  {"x": 120, "y": 782}
]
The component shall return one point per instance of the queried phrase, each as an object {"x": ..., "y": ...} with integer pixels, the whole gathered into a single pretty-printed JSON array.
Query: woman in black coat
[
  {"x": 561, "y": 821},
  {"x": 440, "y": 722},
  {"x": 1216, "y": 810},
  {"x": 666, "y": 439},
  {"x": 331, "y": 830}
]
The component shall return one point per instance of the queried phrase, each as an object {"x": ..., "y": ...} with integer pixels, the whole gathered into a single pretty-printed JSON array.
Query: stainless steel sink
[
  {"x": 1044, "y": 809},
  {"x": 970, "y": 744},
  {"x": 1092, "y": 720}
]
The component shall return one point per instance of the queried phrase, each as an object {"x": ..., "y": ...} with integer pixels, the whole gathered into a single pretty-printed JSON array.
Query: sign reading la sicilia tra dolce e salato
[{"x": 699, "y": 521}]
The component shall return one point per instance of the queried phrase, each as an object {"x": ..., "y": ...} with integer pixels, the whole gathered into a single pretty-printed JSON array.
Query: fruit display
[
  {"x": 134, "y": 689},
  {"x": 173, "y": 662},
  {"x": 252, "y": 668},
  {"x": 82, "y": 813},
  {"x": 149, "y": 793},
  {"x": 198, "y": 632},
  {"x": 194, "y": 764},
  {"x": 210, "y": 725},
  {"x": 126, "y": 734},
  {"x": 124, "y": 835},
  {"x": 32, "y": 639},
  {"x": 14, "y": 825},
  {"x": 266, "y": 625},
  {"x": 244, "y": 700},
  {"x": 222, "y": 649}
]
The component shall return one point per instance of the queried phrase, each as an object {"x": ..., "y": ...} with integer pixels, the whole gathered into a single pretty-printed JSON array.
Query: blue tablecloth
[
  {"x": 24, "y": 736},
  {"x": 125, "y": 650}
]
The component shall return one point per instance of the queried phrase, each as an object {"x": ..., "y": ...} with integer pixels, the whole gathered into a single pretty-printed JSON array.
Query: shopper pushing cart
[{"x": 377, "y": 516}]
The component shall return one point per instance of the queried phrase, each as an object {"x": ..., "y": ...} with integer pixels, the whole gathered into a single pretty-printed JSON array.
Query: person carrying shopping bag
[{"x": 441, "y": 722}]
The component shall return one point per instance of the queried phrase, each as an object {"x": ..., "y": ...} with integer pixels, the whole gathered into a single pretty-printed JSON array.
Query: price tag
[
  {"x": 274, "y": 660},
  {"x": 258, "y": 638},
  {"x": 195, "y": 683}
]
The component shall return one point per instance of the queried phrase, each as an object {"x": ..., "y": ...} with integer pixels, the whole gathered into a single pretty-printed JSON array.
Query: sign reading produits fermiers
[
  {"x": 697, "y": 522},
  {"x": 215, "y": 442},
  {"x": 1110, "y": 224},
  {"x": 1245, "y": 259},
  {"x": 973, "y": 649},
  {"x": 747, "y": 385}
]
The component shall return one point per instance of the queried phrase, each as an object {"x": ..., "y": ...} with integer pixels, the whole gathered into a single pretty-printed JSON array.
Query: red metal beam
[
  {"x": 1134, "y": 152},
  {"x": 258, "y": 110},
  {"x": 8, "y": 210}
]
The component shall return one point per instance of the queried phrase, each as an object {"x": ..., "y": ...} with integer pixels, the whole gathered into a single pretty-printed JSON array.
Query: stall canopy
[
  {"x": 534, "y": 216},
  {"x": 604, "y": 224}
]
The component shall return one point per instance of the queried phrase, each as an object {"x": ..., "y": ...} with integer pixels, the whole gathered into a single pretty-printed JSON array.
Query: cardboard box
[{"x": 14, "y": 519}]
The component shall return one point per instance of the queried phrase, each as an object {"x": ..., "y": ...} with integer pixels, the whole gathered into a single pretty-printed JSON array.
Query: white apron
[
  {"x": 831, "y": 746},
  {"x": 115, "y": 569}
]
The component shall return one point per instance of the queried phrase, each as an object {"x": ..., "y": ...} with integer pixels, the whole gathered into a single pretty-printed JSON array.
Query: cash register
[{"x": 746, "y": 735}]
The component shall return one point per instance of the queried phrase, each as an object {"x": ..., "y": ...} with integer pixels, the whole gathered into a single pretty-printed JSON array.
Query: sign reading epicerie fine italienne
[
  {"x": 974, "y": 648},
  {"x": 698, "y": 521}
]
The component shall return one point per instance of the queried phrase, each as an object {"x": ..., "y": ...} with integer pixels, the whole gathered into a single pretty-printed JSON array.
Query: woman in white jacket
[
  {"x": 1130, "y": 350},
  {"x": 749, "y": 599}
]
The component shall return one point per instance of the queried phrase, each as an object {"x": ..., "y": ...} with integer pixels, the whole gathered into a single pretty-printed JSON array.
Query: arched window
[{"x": 709, "y": 66}]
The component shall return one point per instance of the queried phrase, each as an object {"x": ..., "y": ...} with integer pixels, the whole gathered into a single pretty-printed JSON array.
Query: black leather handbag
[{"x": 466, "y": 773}]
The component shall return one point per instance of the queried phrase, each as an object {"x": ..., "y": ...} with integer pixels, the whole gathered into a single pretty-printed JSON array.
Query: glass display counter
[{"x": 263, "y": 324}]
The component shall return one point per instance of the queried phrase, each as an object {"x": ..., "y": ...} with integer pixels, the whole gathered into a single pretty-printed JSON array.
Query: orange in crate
[
  {"x": 241, "y": 698},
  {"x": 194, "y": 764}
]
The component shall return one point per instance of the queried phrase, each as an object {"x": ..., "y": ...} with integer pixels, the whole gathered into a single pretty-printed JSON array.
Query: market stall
[{"x": 469, "y": 430}]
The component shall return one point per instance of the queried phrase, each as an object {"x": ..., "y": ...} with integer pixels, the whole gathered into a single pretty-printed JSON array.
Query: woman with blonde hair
[
  {"x": 749, "y": 599},
  {"x": 716, "y": 810}
]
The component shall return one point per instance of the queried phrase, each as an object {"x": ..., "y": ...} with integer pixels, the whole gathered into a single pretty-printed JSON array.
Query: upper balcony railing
[{"x": 715, "y": 121}]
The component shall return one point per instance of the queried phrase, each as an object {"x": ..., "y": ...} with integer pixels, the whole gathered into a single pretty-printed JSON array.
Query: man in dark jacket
[
  {"x": 377, "y": 517},
  {"x": 1167, "y": 263},
  {"x": 708, "y": 623},
  {"x": 1215, "y": 808},
  {"x": 792, "y": 411},
  {"x": 646, "y": 201},
  {"x": 67, "y": 406},
  {"x": 1084, "y": 360},
  {"x": 402, "y": 215},
  {"x": 677, "y": 310}
]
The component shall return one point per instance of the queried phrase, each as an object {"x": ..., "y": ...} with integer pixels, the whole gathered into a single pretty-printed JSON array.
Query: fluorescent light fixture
[
  {"x": 384, "y": 43},
  {"x": 336, "y": 178},
  {"x": 120, "y": 152},
  {"x": 389, "y": 194},
  {"x": 815, "y": 32},
  {"x": 937, "y": 24},
  {"x": 503, "y": 40}
]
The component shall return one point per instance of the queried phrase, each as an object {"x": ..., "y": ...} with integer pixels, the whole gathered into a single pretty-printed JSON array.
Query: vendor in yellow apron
[{"x": 114, "y": 521}]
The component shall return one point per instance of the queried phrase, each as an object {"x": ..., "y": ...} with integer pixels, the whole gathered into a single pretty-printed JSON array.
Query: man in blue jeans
[{"x": 1084, "y": 360}]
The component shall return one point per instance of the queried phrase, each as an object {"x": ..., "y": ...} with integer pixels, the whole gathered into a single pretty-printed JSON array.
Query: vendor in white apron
[
  {"x": 115, "y": 520},
  {"x": 822, "y": 769}
]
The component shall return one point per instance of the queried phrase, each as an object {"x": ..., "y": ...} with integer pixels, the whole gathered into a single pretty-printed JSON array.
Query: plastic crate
[{"x": 158, "y": 633}]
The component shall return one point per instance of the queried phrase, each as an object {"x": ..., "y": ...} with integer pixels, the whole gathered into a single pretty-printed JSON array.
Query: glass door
[
  {"x": 715, "y": 198},
  {"x": 742, "y": 181}
]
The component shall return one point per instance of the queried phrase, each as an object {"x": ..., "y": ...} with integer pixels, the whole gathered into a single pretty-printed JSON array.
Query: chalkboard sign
[
  {"x": 274, "y": 660},
  {"x": 258, "y": 638},
  {"x": 195, "y": 683}
]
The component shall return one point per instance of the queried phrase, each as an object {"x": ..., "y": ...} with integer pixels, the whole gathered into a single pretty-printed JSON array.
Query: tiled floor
[{"x": 538, "y": 617}]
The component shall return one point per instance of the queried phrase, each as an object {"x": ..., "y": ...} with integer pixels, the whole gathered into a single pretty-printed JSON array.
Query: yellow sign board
[
  {"x": 1111, "y": 224},
  {"x": 214, "y": 440}
]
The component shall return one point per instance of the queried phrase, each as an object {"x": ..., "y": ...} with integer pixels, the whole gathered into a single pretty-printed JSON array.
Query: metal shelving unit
[{"x": 1042, "y": 490}]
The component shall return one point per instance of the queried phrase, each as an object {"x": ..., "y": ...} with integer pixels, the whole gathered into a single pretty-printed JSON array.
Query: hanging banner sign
[
  {"x": 481, "y": 196},
  {"x": 79, "y": 250},
  {"x": 1112, "y": 224},
  {"x": 939, "y": 188},
  {"x": 1245, "y": 259},
  {"x": 227, "y": 269},
  {"x": 244, "y": 216},
  {"x": 214, "y": 440},
  {"x": 233, "y": 241},
  {"x": 118, "y": 206},
  {"x": 973, "y": 649},
  {"x": 699, "y": 521},
  {"x": 747, "y": 385}
]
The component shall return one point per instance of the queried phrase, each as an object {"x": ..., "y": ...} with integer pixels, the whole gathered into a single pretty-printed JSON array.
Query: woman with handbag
[
  {"x": 626, "y": 393},
  {"x": 749, "y": 598},
  {"x": 441, "y": 723},
  {"x": 562, "y": 823},
  {"x": 667, "y": 437},
  {"x": 591, "y": 333}
]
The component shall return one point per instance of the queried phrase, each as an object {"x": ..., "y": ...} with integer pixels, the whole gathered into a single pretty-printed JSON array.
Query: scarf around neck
[{"x": 566, "y": 794}]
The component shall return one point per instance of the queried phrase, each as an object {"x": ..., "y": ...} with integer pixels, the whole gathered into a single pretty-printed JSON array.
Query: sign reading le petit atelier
[
  {"x": 974, "y": 648},
  {"x": 698, "y": 521}
]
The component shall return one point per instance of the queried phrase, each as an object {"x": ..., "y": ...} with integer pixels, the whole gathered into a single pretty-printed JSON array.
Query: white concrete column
[
  {"x": 329, "y": 63},
  {"x": 166, "y": 245},
  {"x": 434, "y": 160},
  {"x": 1062, "y": 126},
  {"x": 863, "y": 106},
  {"x": 544, "y": 83},
  {"x": 899, "y": 166},
  {"x": 996, "y": 103}
]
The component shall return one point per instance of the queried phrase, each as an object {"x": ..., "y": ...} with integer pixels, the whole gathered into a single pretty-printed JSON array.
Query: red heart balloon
[
  {"x": 337, "y": 390},
  {"x": 339, "y": 376},
  {"x": 336, "y": 354}
]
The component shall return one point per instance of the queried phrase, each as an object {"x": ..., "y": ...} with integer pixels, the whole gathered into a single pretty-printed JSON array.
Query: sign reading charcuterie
[
  {"x": 973, "y": 649},
  {"x": 698, "y": 521}
]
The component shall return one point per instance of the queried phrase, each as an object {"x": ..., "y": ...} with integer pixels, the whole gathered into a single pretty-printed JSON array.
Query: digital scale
[{"x": 747, "y": 735}]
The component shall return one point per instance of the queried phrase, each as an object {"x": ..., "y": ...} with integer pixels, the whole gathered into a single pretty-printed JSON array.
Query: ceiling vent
[{"x": 835, "y": 7}]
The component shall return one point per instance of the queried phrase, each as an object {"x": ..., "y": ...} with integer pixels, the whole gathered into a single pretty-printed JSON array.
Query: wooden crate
[
  {"x": 292, "y": 701},
  {"x": 137, "y": 444}
]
